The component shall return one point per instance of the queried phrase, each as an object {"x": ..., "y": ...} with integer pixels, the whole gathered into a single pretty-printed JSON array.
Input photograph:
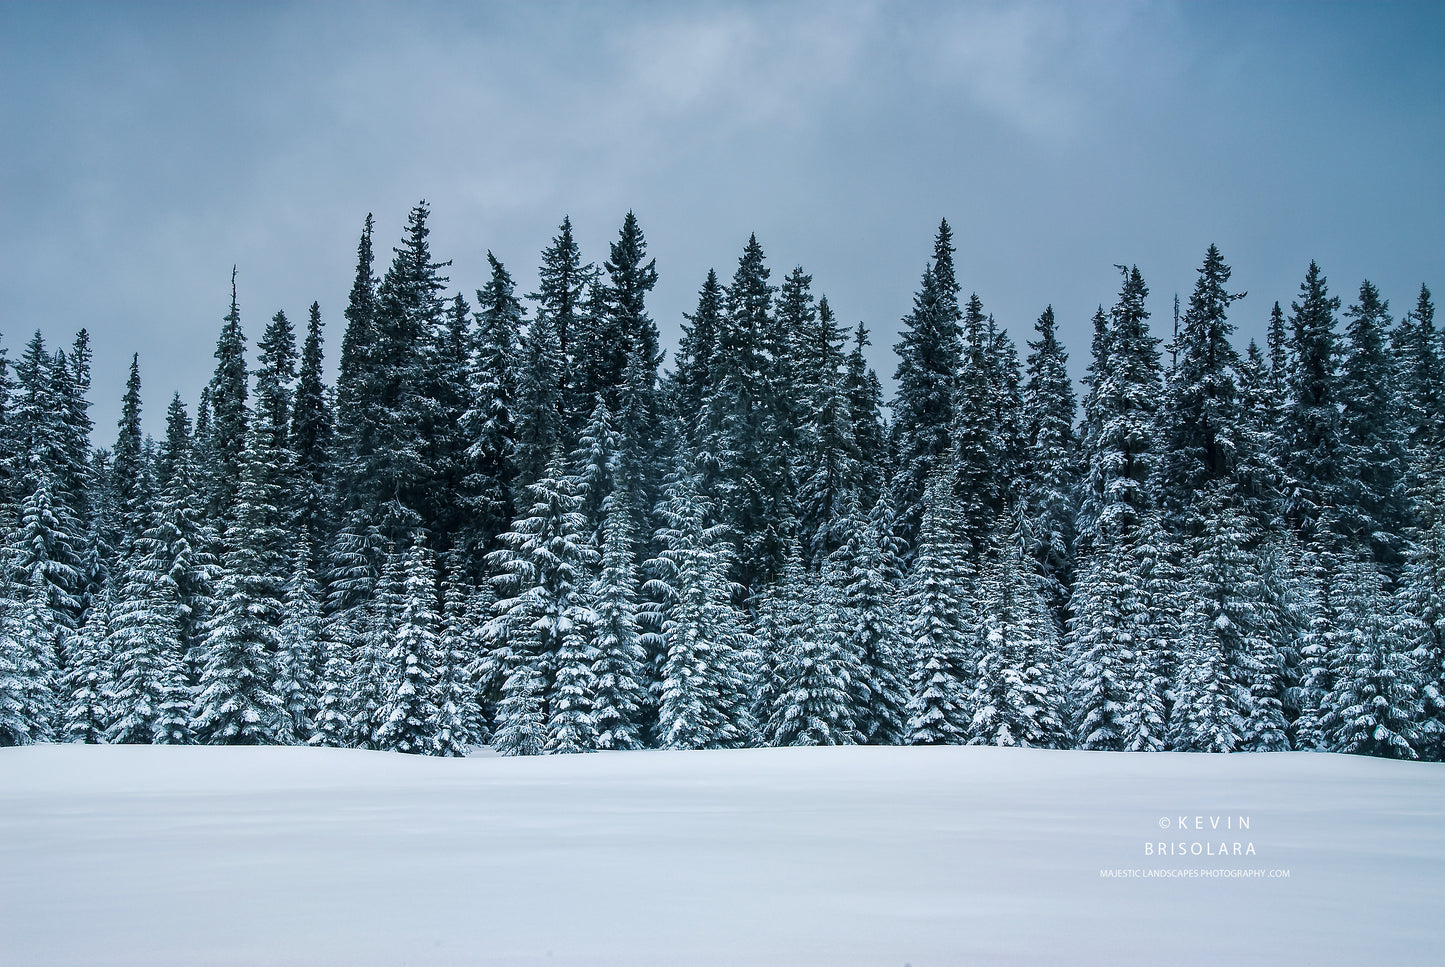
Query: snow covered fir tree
[{"x": 507, "y": 523}]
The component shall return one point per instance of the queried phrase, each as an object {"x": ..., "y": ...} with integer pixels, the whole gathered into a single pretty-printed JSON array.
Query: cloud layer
[{"x": 155, "y": 145}]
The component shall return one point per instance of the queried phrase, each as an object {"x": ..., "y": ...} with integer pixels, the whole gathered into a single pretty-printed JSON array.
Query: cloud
[{"x": 1041, "y": 67}]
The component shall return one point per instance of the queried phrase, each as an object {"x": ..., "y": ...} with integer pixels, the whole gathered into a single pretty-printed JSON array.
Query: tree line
[{"x": 507, "y": 523}]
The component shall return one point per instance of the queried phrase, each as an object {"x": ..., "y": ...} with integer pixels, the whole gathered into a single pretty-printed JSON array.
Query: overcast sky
[{"x": 149, "y": 147}]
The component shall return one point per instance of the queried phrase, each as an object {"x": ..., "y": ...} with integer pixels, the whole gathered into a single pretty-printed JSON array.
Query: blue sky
[{"x": 149, "y": 147}]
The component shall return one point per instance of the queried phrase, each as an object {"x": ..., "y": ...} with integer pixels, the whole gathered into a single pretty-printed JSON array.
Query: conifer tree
[
  {"x": 1420, "y": 369},
  {"x": 643, "y": 437},
  {"x": 1118, "y": 646},
  {"x": 1052, "y": 448},
  {"x": 1277, "y": 344},
  {"x": 149, "y": 697},
  {"x": 372, "y": 632},
  {"x": 489, "y": 424},
  {"x": 354, "y": 561},
  {"x": 411, "y": 467},
  {"x": 27, "y": 672},
  {"x": 1222, "y": 625},
  {"x": 181, "y": 539},
  {"x": 872, "y": 565},
  {"x": 311, "y": 415},
  {"x": 127, "y": 458},
  {"x": 829, "y": 461},
  {"x": 1374, "y": 510},
  {"x": 87, "y": 681},
  {"x": 706, "y": 655},
  {"x": 596, "y": 463},
  {"x": 70, "y": 380},
  {"x": 1118, "y": 676},
  {"x": 539, "y": 432},
  {"x": 445, "y": 397},
  {"x": 561, "y": 284},
  {"x": 238, "y": 704},
  {"x": 625, "y": 327},
  {"x": 1374, "y": 700},
  {"x": 1422, "y": 593},
  {"x": 46, "y": 543},
  {"x": 1256, "y": 476},
  {"x": 865, "y": 403},
  {"x": 757, "y": 482},
  {"x": 796, "y": 379},
  {"x": 1120, "y": 447},
  {"x": 229, "y": 416},
  {"x": 697, "y": 358},
  {"x": 42, "y": 553},
  {"x": 939, "y": 616},
  {"x": 978, "y": 441},
  {"x": 542, "y": 567},
  {"x": 814, "y": 667},
  {"x": 620, "y": 668},
  {"x": 99, "y": 556},
  {"x": 1272, "y": 671},
  {"x": 571, "y": 725},
  {"x": 311, "y": 436},
  {"x": 521, "y": 720},
  {"x": 1014, "y": 702},
  {"x": 34, "y": 410},
  {"x": 1322, "y": 621},
  {"x": 1200, "y": 420},
  {"x": 743, "y": 474},
  {"x": 1312, "y": 434},
  {"x": 618, "y": 363},
  {"x": 930, "y": 356},
  {"x": 276, "y": 374},
  {"x": 301, "y": 648},
  {"x": 355, "y": 420},
  {"x": 337, "y": 684},
  {"x": 1005, "y": 395},
  {"x": 455, "y": 724},
  {"x": 10, "y": 443},
  {"x": 408, "y": 711}
]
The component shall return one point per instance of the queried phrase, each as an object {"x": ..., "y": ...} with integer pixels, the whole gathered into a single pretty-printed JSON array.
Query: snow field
[{"x": 829, "y": 857}]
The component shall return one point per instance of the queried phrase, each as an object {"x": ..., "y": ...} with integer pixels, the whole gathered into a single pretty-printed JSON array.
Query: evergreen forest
[{"x": 509, "y": 523}]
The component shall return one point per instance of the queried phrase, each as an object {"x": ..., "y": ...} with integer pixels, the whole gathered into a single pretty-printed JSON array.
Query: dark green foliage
[
  {"x": 694, "y": 373},
  {"x": 311, "y": 436},
  {"x": 980, "y": 447},
  {"x": 539, "y": 436},
  {"x": 228, "y": 415},
  {"x": 1200, "y": 420},
  {"x": 1120, "y": 443},
  {"x": 865, "y": 404},
  {"x": 562, "y": 281},
  {"x": 1312, "y": 436},
  {"x": 751, "y": 481},
  {"x": 1420, "y": 373},
  {"x": 489, "y": 424},
  {"x": 127, "y": 463},
  {"x": 1050, "y": 468},
  {"x": 1374, "y": 509},
  {"x": 930, "y": 356},
  {"x": 1246, "y": 550}
]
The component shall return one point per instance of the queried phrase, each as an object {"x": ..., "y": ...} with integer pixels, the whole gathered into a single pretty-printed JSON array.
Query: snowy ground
[{"x": 828, "y": 857}]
